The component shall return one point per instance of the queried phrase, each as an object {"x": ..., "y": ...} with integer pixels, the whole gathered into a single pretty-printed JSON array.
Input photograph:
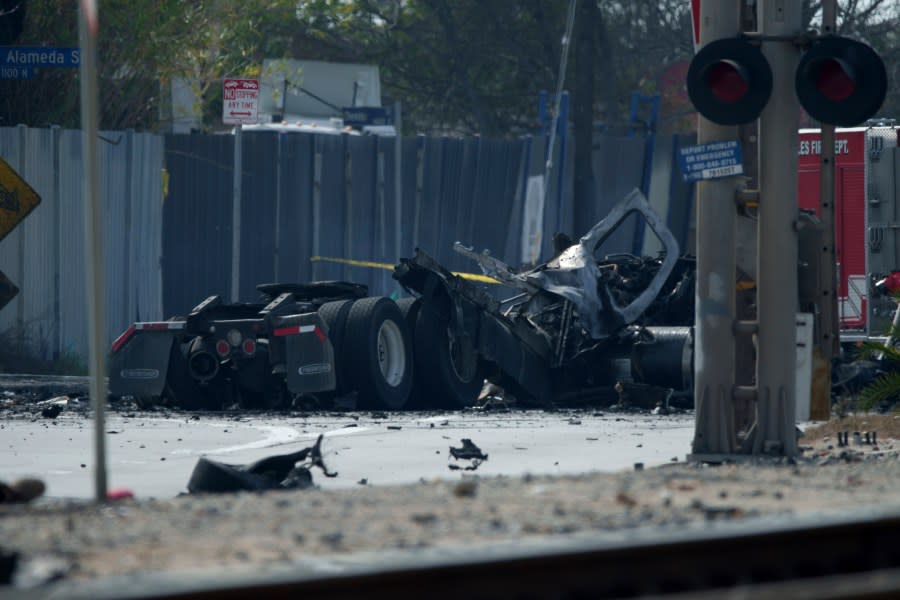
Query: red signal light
[
  {"x": 841, "y": 81},
  {"x": 727, "y": 81},
  {"x": 834, "y": 80}
]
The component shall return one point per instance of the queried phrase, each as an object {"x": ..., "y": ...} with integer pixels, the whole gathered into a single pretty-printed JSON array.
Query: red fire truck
[{"x": 867, "y": 220}]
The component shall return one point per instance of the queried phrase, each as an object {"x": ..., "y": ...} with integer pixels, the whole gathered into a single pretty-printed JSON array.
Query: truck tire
[
  {"x": 409, "y": 308},
  {"x": 378, "y": 354},
  {"x": 450, "y": 376},
  {"x": 335, "y": 316}
]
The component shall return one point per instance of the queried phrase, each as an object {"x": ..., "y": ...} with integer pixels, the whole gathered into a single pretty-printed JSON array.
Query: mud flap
[
  {"x": 307, "y": 351},
  {"x": 140, "y": 367}
]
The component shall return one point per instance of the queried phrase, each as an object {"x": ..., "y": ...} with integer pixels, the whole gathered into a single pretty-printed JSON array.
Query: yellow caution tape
[{"x": 390, "y": 267}]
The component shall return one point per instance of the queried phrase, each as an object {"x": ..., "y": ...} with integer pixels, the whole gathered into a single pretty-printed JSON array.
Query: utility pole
[
  {"x": 777, "y": 255},
  {"x": 714, "y": 347}
]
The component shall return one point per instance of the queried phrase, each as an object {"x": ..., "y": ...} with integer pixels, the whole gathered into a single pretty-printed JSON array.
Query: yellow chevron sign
[
  {"x": 8, "y": 290},
  {"x": 389, "y": 267},
  {"x": 17, "y": 199}
]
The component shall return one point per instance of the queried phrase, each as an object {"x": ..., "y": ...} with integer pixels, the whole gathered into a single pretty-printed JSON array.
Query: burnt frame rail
[{"x": 855, "y": 557}]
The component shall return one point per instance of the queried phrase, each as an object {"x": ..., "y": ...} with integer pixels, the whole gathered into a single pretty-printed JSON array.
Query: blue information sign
[
  {"x": 39, "y": 56},
  {"x": 711, "y": 161}
]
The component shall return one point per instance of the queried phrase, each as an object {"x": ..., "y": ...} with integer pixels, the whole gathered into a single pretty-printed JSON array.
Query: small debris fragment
[
  {"x": 21, "y": 491},
  {"x": 394, "y": 427},
  {"x": 116, "y": 494},
  {"x": 9, "y": 564},
  {"x": 423, "y": 518},
  {"x": 626, "y": 500},
  {"x": 468, "y": 451},
  {"x": 52, "y": 411},
  {"x": 363, "y": 481},
  {"x": 467, "y": 488}
]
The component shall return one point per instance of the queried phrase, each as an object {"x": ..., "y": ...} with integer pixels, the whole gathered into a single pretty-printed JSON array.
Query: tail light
[
  {"x": 222, "y": 348},
  {"x": 249, "y": 347}
]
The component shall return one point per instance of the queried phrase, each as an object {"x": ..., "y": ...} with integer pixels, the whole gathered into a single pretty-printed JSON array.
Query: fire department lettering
[{"x": 815, "y": 147}]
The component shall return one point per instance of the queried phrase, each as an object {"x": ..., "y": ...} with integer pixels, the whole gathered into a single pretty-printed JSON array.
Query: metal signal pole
[
  {"x": 777, "y": 257},
  {"x": 714, "y": 348}
]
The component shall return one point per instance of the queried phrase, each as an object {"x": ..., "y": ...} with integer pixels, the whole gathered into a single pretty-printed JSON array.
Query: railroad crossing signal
[
  {"x": 729, "y": 81},
  {"x": 841, "y": 81},
  {"x": 17, "y": 200}
]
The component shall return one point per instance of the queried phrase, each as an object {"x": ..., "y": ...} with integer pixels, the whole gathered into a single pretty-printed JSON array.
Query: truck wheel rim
[{"x": 391, "y": 353}]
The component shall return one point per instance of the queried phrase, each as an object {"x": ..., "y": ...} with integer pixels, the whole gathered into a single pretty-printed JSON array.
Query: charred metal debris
[
  {"x": 468, "y": 451},
  {"x": 577, "y": 325},
  {"x": 270, "y": 473}
]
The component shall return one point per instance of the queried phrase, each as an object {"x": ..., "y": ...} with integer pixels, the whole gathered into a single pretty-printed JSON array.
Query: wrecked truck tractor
[
  {"x": 255, "y": 355},
  {"x": 575, "y": 323},
  {"x": 314, "y": 340}
]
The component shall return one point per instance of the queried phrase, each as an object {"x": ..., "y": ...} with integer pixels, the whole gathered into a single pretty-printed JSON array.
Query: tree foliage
[{"x": 458, "y": 66}]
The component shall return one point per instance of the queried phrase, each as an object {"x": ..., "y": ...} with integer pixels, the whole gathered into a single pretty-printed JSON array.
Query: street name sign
[
  {"x": 711, "y": 161},
  {"x": 240, "y": 101},
  {"x": 39, "y": 56},
  {"x": 16, "y": 72}
]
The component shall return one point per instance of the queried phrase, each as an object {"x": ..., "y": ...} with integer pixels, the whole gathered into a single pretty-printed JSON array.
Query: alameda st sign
[{"x": 39, "y": 56}]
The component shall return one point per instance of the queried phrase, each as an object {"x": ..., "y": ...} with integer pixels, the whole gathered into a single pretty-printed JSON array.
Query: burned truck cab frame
[{"x": 574, "y": 328}]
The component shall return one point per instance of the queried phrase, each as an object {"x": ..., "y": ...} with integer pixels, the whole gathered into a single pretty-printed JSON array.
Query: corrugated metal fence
[
  {"x": 44, "y": 256},
  {"x": 168, "y": 215},
  {"x": 333, "y": 196}
]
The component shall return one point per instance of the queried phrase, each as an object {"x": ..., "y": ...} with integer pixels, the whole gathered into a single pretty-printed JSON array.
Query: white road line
[{"x": 274, "y": 436}]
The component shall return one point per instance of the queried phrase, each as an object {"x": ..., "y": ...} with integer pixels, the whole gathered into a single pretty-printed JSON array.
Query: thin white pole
[
  {"x": 93, "y": 239},
  {"x": 236, "y": 217}
]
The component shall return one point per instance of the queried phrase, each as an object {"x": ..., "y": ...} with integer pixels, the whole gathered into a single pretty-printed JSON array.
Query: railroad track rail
[{"x": 814, "y": 557}]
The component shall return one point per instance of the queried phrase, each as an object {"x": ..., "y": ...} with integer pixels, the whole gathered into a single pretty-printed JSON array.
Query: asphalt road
[{"x": 153, "y": 455}]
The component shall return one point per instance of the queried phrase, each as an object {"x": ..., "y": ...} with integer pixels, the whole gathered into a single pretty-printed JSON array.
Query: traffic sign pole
[
  {"x": 777, "y": 256},
  {"x": 236, "y": 217},
  {"x": 93, "y": 241},
  {"x": 714, "y": 347}
]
